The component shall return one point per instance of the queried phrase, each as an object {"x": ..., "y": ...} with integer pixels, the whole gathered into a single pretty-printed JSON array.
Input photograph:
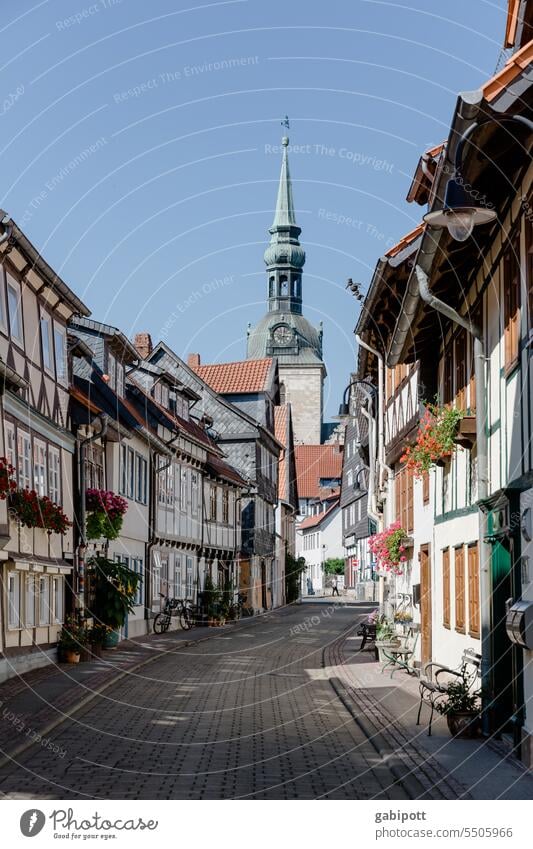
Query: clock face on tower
[{"x": 282, "y": 334}]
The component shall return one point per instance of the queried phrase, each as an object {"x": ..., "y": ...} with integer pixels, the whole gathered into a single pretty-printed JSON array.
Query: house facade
[
  {"x": 36, "y": 563},
  {"x": 319, "y": 538},
  {"x": 450, "y": 321}
]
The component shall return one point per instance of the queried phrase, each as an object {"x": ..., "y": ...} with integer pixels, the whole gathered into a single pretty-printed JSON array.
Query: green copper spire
[{"x": 284, "y": 216}]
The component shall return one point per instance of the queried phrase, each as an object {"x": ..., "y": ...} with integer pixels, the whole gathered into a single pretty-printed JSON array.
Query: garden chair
[
  {"x": 402, "y": 656},
  {"x": 436, "y": 679}
]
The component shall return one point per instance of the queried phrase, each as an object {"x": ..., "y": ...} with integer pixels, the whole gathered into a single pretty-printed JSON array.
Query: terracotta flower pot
[
  {"x": 463, "y": 724},
  {"x": 71, "y": 656}
]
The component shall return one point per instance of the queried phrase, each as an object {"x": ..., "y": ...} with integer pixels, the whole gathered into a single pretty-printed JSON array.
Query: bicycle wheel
[
  {"x": 161, "y": 623},
  {"x": 186, "y": 618}
]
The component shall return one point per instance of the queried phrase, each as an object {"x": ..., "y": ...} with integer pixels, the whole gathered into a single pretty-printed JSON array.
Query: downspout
[
  {"x": 82, "y": 544},
  {"x": 381, "y": 404},
  {"x": 482, "y": 470}
]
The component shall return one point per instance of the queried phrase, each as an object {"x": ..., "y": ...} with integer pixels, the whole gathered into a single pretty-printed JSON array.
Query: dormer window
[{"x": 161, "y": 394}]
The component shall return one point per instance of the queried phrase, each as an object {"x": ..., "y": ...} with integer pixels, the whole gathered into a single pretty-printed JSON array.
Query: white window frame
[
  {"x": 54, "y": 474},
  {"x": 120, "y": 378},
  {"x": 24, "y": 456},
  {"x": 57, "y": 599},
  {"x": 131, "y": 473},
  {"x": 60, "y": 352},
  {"x": 44, "y": 600},
  {"x": 141, "y": 479},
  {"x": 123, "y": 468},
  {"x": 13, "y": 287},
  {"x": 40, "y": 467},
  {"x": 10, "y": 444},
  {"x": 13, "y": 601},
  {"x": 45, "y": 327},
  {"x": 30, "y": 600},
  {"x": 188, "y": 577},
  {"x": 111, "y": 370}
]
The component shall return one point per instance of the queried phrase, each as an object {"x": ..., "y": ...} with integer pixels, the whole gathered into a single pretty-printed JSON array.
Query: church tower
[{"x": 284, "y": 332}]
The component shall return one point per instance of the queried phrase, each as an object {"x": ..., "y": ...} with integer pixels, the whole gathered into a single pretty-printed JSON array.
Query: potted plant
[
  {"x": 436, "y": 439},
  {"x": 390, "y": 548},
  {"x": 385, "y": 636},
  {"x": 105, "y": 513},
  {"x": 72, "y": 640},
  {"x": 461, "y": 707},
  {"x": 115, "y": 586},
  {"x": 97, "y": 638},
  {"x": 403, "y": 617},
  {"x": 212, "y": 598}
]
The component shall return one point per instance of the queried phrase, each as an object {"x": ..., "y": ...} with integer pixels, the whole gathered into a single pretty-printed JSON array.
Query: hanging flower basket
[
  {"x": 37, "y": 511},
  {"x": 7, "y": 481},
  {"x": 435, "y": 441},
  {"x": 105, "y": 513},
  {"x": 390, "y": 548}
]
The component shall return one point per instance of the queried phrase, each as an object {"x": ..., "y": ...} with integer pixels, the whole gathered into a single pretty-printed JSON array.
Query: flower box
[{"x": 466, "y": 432}]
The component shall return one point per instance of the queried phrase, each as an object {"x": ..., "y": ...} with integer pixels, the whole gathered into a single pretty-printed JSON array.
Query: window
[
  {"x": 24, "y": 459},
  {"x": 183, "y": 490},
  {"x": 447, "y": 375},
  {"x": 131, "y": 473},
  {"x": 10, "y": 444},
  {"x": 136, "y": 565},
  {"x": 15, "y": 309},
  {"x": 194, "y": 493},
  {"x": 473, "y": 591},
  {"x": 511, "y": 300},
  {"x": 120, "y": 379},
  {"x": 44, "y": 600},
  {"x": 404, "y": 492},
  {"x": 425, "y": 487},
  {"x": 57, "y": 595},
  {"x": 94, "y": 466},
  {"x": 177, "y": 577},
  {"x": 39, "y": 467},
  {"x": 46, "y": 342},
  {"x": 111, "y": 370},
  {"x": 460, "y": 591},
  {"x": 188, "y": 578},
  {"x": 446, "y": 587},
  {"x": 2, "y": 303},
  {"x": 30, "y": 611},
  {"x": 460, "y": 369},
  {"x": 61, "y": 355},
  {"x": 213, "y": 504},
  {"x": 225, "y": 506},
  {"x": 142, "y": 477},
  {"x": 282, "y": 394},
  {"x": 156, "y": 577},
  {"x": 123, "y": 468},
  {"x": 54, "y": 475},
  {"x": 170, "y": 484},
  {"x": 13, "y": 599}
]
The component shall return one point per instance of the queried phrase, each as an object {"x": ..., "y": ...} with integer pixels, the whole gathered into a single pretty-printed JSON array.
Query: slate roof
[
  {"x": 237, "y": 378},
  {"x": 313, "y": 463}
]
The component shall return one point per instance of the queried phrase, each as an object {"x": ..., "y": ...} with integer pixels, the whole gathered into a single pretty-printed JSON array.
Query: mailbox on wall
[{"x": 519, "y": 624}]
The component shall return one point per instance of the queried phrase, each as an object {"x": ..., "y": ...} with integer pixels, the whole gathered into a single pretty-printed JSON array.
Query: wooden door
[{"x": 425, "y": 603}]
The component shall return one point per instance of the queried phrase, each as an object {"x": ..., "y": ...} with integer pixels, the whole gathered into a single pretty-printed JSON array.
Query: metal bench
[
  {"x": 368, "y": 632},
  {"x": 434, "y": 686},
  {"x": 402, "y": 656}
]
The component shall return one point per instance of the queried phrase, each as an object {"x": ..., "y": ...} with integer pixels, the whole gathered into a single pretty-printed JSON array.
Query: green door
[{"x": 501, "y": 646}]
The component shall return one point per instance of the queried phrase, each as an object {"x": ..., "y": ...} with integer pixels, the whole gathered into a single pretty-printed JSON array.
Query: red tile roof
[
  {"x": 236, "y": 378},
  {"x": 313, "y": 521},
  {"x": 403, "y": 243},
  {"x": 314, "y": 462},
  {"x": 517, "y": 63}
]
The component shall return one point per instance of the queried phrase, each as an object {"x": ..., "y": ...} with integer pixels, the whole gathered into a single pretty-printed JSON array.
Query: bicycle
[
  {"x": 237, "y": 608},
  {"x": 173, "y": 607}
]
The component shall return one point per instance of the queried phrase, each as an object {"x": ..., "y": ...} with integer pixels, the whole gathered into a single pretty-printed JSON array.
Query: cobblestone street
[{"x": 252, "y": 712}]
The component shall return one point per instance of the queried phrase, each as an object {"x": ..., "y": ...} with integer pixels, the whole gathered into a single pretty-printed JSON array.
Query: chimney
[
  {"x": 193, "y": 360},
  {"x": 143, "y": 343}
]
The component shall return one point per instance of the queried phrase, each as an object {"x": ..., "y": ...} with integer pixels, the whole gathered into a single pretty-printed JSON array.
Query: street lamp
[
  {"x": 459, "y": 215},
  {"x": 344, "y": 408}
]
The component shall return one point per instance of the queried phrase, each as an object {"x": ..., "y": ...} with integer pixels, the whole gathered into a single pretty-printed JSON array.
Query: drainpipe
[
  {"x": 381, "y": 402},
  {"x": 82, "y": 545},
  {"x": 482, "y": 468}
]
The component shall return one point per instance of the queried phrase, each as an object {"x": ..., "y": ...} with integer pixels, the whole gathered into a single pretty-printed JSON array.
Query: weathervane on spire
[{"x": 285, "y": 122}]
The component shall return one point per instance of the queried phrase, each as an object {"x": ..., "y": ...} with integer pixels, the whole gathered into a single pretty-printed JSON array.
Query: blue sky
[{"x": 138, "y": 148}]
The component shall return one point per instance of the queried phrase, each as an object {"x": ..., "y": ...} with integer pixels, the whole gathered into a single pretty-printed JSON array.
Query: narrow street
[{"x": 252, "y": 712}]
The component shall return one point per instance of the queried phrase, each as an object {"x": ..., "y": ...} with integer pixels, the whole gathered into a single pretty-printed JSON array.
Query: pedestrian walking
[{"x": 335, "y": 586}]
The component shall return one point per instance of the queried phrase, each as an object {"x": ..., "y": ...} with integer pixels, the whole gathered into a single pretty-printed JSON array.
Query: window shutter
[
  {"x": 446, "y": 587},
  {"x": 410, "y": 500},
  {"x": 425, "y": 487},
  {"x": 460, "y": 591},
  {"x": 398, "y": 496},
  {"x": 460, "y": 369},
  {"x": 473, "y": 591}
]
